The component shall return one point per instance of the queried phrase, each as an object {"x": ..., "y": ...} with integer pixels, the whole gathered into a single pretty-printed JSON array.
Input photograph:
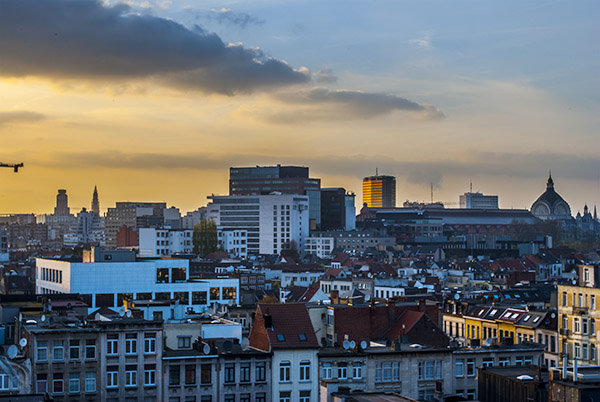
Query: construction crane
[{"x": 15, "y": 166}]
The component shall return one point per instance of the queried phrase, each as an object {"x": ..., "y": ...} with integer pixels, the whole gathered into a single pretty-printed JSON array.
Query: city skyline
[{"x": 428, "y": 92}]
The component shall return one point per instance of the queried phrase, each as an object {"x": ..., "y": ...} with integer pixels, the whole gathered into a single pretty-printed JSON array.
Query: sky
[{"x": 155, "y": 100}]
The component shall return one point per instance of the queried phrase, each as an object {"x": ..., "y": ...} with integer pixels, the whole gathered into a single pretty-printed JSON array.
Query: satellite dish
[
  {"x": 245, "y": 343},
  {"x": 352, "y": 344},
  {"x": 363, "y": 345},
  {"x": 488, "y": 342},
  {"x": 346, "y": 344},
  {"x": 12, "y": 351},
  {"x": 23, "y": 342},
  {"x": 121, "y": 312},
  {"x": 129, "y": 314},
  {"x": 206, "y": 349},
  {"x": 553, "y": 315},
  {"x": 456, "y": 296}
]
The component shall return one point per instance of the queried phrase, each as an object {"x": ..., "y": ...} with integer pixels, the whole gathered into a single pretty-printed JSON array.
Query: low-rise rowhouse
[
  {"x": 106, "y": 358},
  {"x": 216, "y": 370},
  {"x": 286, "y": 331}
]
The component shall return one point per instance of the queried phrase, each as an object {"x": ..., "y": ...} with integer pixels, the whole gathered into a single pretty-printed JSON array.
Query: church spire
[
  {"x": 595, "y": 214},
  {"x": 95, "y": 202},
  {"x": 550, "y": 182}
]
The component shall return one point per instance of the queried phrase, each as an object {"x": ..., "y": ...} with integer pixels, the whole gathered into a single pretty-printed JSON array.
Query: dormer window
[
  {"x": 280, "y": 338},
  {"x": 302, "y": 337}
]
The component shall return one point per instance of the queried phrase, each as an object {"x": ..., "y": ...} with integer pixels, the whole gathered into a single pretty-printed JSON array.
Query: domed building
[{"x": 550, "y": 205}]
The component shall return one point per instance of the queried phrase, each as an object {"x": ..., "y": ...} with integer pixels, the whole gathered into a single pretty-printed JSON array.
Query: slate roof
[{"x": 408, "y": 319}]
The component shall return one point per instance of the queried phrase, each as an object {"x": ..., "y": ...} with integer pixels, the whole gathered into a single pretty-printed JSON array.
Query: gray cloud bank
[
  {"x": 417, "y": 172},
  {"x": 324, "y": 104},
  {"x": 19, "y": 117},
  {"x": 84, "y": 39}
]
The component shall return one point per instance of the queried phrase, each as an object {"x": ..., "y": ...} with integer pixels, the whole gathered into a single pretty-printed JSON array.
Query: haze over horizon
[{"x": 155, "y": 100}]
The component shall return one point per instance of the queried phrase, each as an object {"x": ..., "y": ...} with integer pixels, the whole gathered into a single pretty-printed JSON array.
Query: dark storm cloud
[
  {"x": 323, "y": 104},
  {"x": 226, "y": 16},
  {"x": 19, "y": 117},
  {"x": 85, "y": 39}
]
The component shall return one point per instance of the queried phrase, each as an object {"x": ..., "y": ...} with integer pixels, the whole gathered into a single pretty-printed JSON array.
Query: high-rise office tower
[
  {"x": 62, "y": 203},
  {"x": 263, "y": 180},
  {"x": 337, "y": 209},
  {"x": 379, "y": 191},
  {"x": 95, "y": 202}
]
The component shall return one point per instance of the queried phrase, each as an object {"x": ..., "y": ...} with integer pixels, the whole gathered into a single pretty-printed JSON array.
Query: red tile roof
[{"x": 290, "y": 326}]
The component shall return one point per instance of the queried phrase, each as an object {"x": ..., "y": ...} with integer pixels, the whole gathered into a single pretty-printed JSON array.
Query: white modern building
[
  {"x": 164, "y": 242},
  {"x": 110, "y": 279},
  {"x": 478, "y": 201},
  {"x": 234, "y": 242},
  {"x": 273, "y": 222},
  {"x": 322, "y": 247}
]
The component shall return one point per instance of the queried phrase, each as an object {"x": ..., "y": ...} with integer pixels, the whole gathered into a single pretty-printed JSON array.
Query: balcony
[
  {"x": 564, "y": 332},
  {"x": 580, "y": 310}
]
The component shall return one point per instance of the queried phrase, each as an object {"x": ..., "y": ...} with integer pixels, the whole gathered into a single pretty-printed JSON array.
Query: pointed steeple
[
  {"x": 550, "y": 182},
  {"x": 95, "y": 202},
  {"x": 595, "y": 214}
]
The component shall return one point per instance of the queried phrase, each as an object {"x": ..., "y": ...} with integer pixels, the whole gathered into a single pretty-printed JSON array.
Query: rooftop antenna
[
  {"x": 470, "y": 186},
  {"x": 376, "y": 172}
]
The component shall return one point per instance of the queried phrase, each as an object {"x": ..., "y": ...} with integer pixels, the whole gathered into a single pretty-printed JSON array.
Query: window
[
  {"x": 41, "y": 383},
  {"x": 74, "y": 383},
  {"x": 326, "y": 371},
  {"x": 215, "y": 293},
  {"x": 190, "y": 374},
  {"x": 174, "y": 375},
  {"x": 592, "y": 327},
  {"x": 305, "y": 396},
  {"x": 149, "y": 375},
  {"x": 58, "y": 351},
  {"x": 205, "y": 373},
  {"x": 130, "y": 376},
  {"x": 260, "y": 372},
  {"x": 245, "y": 398},
  {"x": 592, "y": 352},
  {"x": 112, "y": 377},
  {"x": 357, "y": 370},
  {"x": 488, "y": 362},
  {"x": 305, "y": 370},
  {"x": 584, "y": 326},
  {"x": 459, "y": 368},
  {"x": 470, "y": 367},
  {"x": 285, "y": 396},
  {"x": 593, "y": 302},
  {"x": 112, "y": 344},
  {"x": 130, "y": 344},
  {"x": 387, "y": 372},
  {"x": 260, "y": 397},
  {"x": 90, "y": 382},
  {"x": 577, "y": 351},
  {"x": 576, "y": 328},
  {"x": 150, "y": 343},
  {"x": 245, "y": 372},
  {"x": 199, "y": 298},
  {"x": 229, "y": 293},
  {"x": 519, "y": 361},
  {"x": 184, "y": 342},
  {"x": 342, "y": 370},
  {"x": 90, "y": 349},
  {"x": 585, "y": 351},
  {"x": 57, "y": 383},
  {"x": 284, "y": 371},
  {"x": 230, "y": 372},
  {"x": 42, "y": 351},
  {"x": 229, "y": 398}
]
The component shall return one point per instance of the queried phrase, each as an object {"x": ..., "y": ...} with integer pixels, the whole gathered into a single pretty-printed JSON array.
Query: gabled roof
[
  {"x": 404, "y": 324},
  {"x": 290, "y": 326}
]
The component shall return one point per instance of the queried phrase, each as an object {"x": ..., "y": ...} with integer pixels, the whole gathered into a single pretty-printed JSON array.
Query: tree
[{"x": 205, "y": 237}]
